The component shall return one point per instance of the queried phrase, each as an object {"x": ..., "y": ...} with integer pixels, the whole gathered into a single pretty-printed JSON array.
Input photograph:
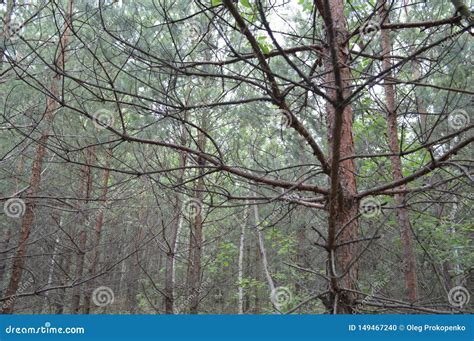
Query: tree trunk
[
  {"x": 36, "y": 169},
  {"x": 241, "y": 259},
  {"x": 197, "y": 226},
  {"x": 98, "y": 228},
  {"x": 172, "y": 245},
  {"x": 52, "y": 265},
  {"x": 85, "y": 193},
  {"x": 262, "y": 251},
  {"x": 258, "y": 277},
  {"x": 343, "y": 225},
  {"x": 300, "y": 257},
  {"x": 59, "y": 309},
  {"x": 409, "y": 263},
  {"x": 4, "y": 246}
]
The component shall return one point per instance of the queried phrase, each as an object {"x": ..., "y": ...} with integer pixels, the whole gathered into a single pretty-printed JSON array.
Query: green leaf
[
  {"x": 246, "y": 3},
  {"x": 216, "y": 2}
]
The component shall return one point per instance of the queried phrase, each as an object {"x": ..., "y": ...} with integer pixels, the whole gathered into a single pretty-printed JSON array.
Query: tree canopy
[{"x": 244, "y": 157}]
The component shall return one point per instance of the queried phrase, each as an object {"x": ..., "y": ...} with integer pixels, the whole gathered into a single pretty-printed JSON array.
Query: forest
[{"x": 236, "y": 157}]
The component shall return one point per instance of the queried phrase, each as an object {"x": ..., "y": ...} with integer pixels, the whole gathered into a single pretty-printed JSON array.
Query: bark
[
  {"x": 241, "y": 260},
  {"x": 248, "y": 274},
  {"x": 4, "y": 246},
  {"x": 35, "y": 179},
  {"x": 420, "y": 105},
  {"x": 300, "y": 257},
  {"x": 52, "y": 265},
  {"x": 67, "y": 262},
  {"x": 403, "y": 220},
  {"x": 343, "y": 208},
  {"x": 99, "y": 223},
  {"x": 261, "y": 249},
  {"x": 456, "y": 268},
  {"x": 172, "y": 244},
  {"x": 85, "y": 192},
  {"x": 258, "y": 277},
  {"x": 196, "y": 229},
  {"x": 446, "y": 266}
]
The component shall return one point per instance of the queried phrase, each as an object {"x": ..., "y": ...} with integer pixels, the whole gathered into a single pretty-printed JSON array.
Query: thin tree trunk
[
  {"x": 4, "y": 246},
  {"x": 35, "y": 180},
  {"x": 248, "y": 274},
  {"x": 300, "y": 257},
  {"x": 409, "y": 263},
  {"x": 258, "y": 277},
  {"x": 197, "y": 236},
  {"x": 98, "y": 228},
  {"x": 62, "y": 293},
  {"x": 452, "y": 230},
  {"x": 51, "y": 272},
  {"x": 85, "y": 192},
  {"x": 420, "y": 105},
  {"x": 241, "y": 259},
  {"x": 262, "y": 251},
  {"x": 172, "y": 245}
]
